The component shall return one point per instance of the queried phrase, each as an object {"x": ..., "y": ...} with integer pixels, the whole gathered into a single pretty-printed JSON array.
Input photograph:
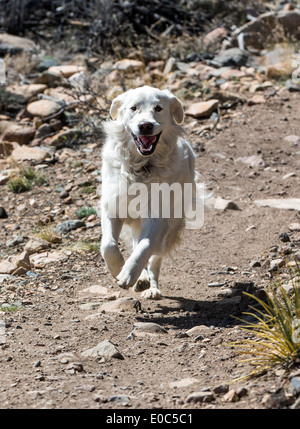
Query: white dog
[{"x": 145, "y": 145}]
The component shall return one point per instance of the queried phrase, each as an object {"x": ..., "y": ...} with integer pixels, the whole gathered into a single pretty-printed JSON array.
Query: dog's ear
[
  {"x": 115, "y": 106},
  {"x": 176, "y": 107}
]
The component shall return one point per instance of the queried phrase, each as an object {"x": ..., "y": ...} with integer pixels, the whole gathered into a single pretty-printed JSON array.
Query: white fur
[{"x": 172, "y": 161}]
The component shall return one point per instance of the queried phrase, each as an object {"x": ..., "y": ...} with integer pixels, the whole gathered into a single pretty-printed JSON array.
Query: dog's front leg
[
  {"x": 111, "y": 229},
  {"x": 149, "y": 243}
]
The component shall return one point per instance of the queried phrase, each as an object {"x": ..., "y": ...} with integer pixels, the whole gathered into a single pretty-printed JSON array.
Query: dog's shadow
[{"x": 187, "y": 313}]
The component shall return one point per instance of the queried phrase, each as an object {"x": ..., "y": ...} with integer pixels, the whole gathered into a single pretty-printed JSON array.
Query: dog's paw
[
  {"x": 143, "y": 282},
  {"x": 126, "y": 278},
  {"x": 152, "y": 293}
]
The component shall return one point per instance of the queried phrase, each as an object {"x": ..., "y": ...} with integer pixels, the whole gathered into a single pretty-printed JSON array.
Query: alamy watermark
[
  {"x": 159, "y": 200},
  {"x": 2, "y": 72},
  {"x": 296, "y": 65},
  {"x": 2, "y": 332}
]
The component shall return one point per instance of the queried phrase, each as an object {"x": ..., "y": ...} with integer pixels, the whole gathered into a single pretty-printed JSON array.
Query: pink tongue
[{"x": 147, "y": 140}]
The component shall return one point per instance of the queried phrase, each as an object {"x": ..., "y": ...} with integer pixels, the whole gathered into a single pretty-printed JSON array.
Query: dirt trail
[{"x": 42, "y": 365}]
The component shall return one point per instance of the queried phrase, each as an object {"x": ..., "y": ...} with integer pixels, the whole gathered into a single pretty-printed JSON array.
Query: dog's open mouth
[{"x": 146, "y": 144}]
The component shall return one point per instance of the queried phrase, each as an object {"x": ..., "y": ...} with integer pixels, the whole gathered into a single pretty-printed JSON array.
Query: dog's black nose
[{"x": 145, "y": 127}]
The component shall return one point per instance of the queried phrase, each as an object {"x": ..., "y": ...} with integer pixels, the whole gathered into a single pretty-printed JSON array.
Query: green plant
[
  {"x": 10, "y": 308},
  {"x": 25, "y": 180},
  {"x": 85, "y": 212},
  {"x": 47, "y": 233},
  {"x": 88, "y": 189},
  {"x": 275, "y": 333},
  {"x": 18, "y": 184},
  {"x": 86, "y": 246}
]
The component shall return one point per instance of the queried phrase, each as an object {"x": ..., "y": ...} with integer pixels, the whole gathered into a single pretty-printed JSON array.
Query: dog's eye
[
  {"x": 158, "y": 108},
  {"x": 133, "y": 108}
]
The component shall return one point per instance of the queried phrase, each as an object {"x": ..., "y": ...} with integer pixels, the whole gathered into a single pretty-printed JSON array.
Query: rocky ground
[{"x": 70, "y": 337}]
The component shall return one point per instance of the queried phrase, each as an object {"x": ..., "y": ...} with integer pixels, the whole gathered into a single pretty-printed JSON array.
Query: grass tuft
[
  {"x": 85, "y": 212},
  {"x": 86, "y": 246},
  {"x": 47, "y": 233},
  {"x": 25, "y": 180},
  {"x": 275, "y": 333}
]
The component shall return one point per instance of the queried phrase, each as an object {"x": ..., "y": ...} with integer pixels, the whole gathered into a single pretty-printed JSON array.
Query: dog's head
[{"x": 147, "y": 114}]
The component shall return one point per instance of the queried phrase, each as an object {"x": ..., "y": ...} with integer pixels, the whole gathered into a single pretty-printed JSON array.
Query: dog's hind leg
[
  {"x": 110, "y": 252},
  {"x": 153, "y": 271}
]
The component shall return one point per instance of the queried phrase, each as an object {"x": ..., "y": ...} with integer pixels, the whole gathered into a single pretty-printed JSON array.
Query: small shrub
[
  {"x": 86, "y": 246},
  {"x": 18, "y": 184},
  {"x": 46, "y": 233},
  {"x": 85, "y": 212},
  {"x": 276, "y": 335},
  {"x": 25, "y": 180}
]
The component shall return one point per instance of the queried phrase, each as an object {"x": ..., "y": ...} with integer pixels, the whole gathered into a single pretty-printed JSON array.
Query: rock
[
  {"x": 23, "y": 93},
  {"x": 294, "y": 227},
  {"x": 3, "y": 214},
  {"x": 66, "y": 70},
  {"x": 294, "y": 139},
  {"x": 257, "y": 99},
  {"x": 214, "y": 37},
  {"x": 201, "y": 71},
  {"x": 4, "y": 178},
  {"x": 105, "y": 349},
  {"x": 25, "y": 153},
  {"x": 292, "y": 86},
  {"x": 68, "y": 225},
  {"x": 43, "y": 131},
  {"x": 123, "y": 399},
  {"x": 50, "y": 79},
  {"x": 36, "y": 245},
  {"x": 14, "y": 241},
  {"x": 253, "y": 160},
  {"x": 18, "y": 264},
  {"x": 19, "y": 134},
  {"x": 184, "y": 382},
  {"x": 80, "y": 81},
  {"x": 230, "y": 73},
  {"x": 242, "y": 391},
  {"x": 280, "y": 70},
  {"x": 46, "y": 64},
  {"x": 42, "y": 259},
  {"x": 223, "y": 388},
  {"x": 13, "y": 45},
  {"x": 231, "y": 57},
  {"x": 121, "y": 305},
  {"x": 287, "y": 176},
  {"x": 64, "y": 138},
  {"x": 285, "y": 204},
  {"x": 43, "y": 108},
  {"x": 295, "y": 386},
  {"x": 268, "y": 29},
  {"x": 200, "y": 397},
  {"x": 141, "y": 328},
  {"x": 230, "y": 396},
  {"x": 128, "y": 65},
  {"x": 202, "y": 109},
  {"x": 170, "y": 66},
  {"x": 254, "y": 264},
  {"x": 101, "y": 291},
  {"x": 4, "y": 277},
  {"x": 75, "y": 367},
  {"x": 221, "y": 204},
  {"x": 284, "y": 237},
  {"x": 275, "y": 264},
  {"x": 274, "y": 400},
  {"x": 6, "y": 148}
]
